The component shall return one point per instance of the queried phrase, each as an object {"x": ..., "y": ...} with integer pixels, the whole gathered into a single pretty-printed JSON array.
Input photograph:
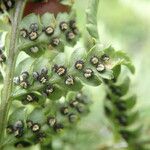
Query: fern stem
[{"x": 11, "y": 61}]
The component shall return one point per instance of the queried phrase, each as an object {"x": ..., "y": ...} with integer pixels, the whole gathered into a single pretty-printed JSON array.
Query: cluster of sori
[
  {"x": 2, "y": 56},
  {"x": 98, "y": 63},
  {"x": 17, "y": 129},
  {"x": 33, "y": 35},
  {"x": 62, "y": 72},
  {"x": 72, "y": 32},
  {"x": 38, "y": 126},
  {"x": 30, "y": 98},
  {"x": 68, "y": 28},
  {"x": 119, "y": 108},
  {"x": 44, "y": 76},
  {"x": 8, "y": 4},
  {"x": 77, "y": 105},
  {"x": 41, "y": 76},
  {"x": 22, "y": 80}
]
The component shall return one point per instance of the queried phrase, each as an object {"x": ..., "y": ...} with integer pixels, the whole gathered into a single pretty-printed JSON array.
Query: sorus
[
  {"x": 79, "y": 65},
  {"x": 63, "y": 26},
  {"x": 69, "y": 80},
  {"x": 40, "y": 136},
  {"x": 49, "y": 89},
  {"x": 55, "y": 42},
  {"x": 34, "y": 49},
  {"x": 35, "y": 75},
  {"x": 9, "y": 4},
  {"x": 70, "y": 36},
  {"x": 58, "y": 127},
  {"x": 100, "y": 67},
  {"x": 34, "y": 27},
  {"x": 24, "y": 76},
  {"x": 61, "y": 70},
  {"x": 24, "y": 84},
  {"x": 72, "y": 117},
  {"x": 80, "y": 108},
  {"x": 105, "y": 57},
  {"x": 18, "y": 133},
  {"x": 49, "y": 30},
  {"x": 72, "y": 24},
  {"x": 88, "y": 73},
  {"x": 33, "y": 35},
  {"x": 51, "y": 121},
  {"x": 35, "y": 127},
  {"x": 18, "y": 125},
  {"x": 94, "y": 60},
  {"x": 44, "y": 71},
  {"x": 22, "y": 144},
  {"x": 29, "y": 123},
  {"x": 30, "y": 98},
  {"x": 24, "y": 33},
  {"x": 64, "y": 110},
  {"x": 74, "y": 103},
  {"x": 10, "y": 129}
]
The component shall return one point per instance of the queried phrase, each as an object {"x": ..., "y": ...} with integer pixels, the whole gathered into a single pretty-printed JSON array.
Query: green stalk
[{"x": 10, "y": 67}]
